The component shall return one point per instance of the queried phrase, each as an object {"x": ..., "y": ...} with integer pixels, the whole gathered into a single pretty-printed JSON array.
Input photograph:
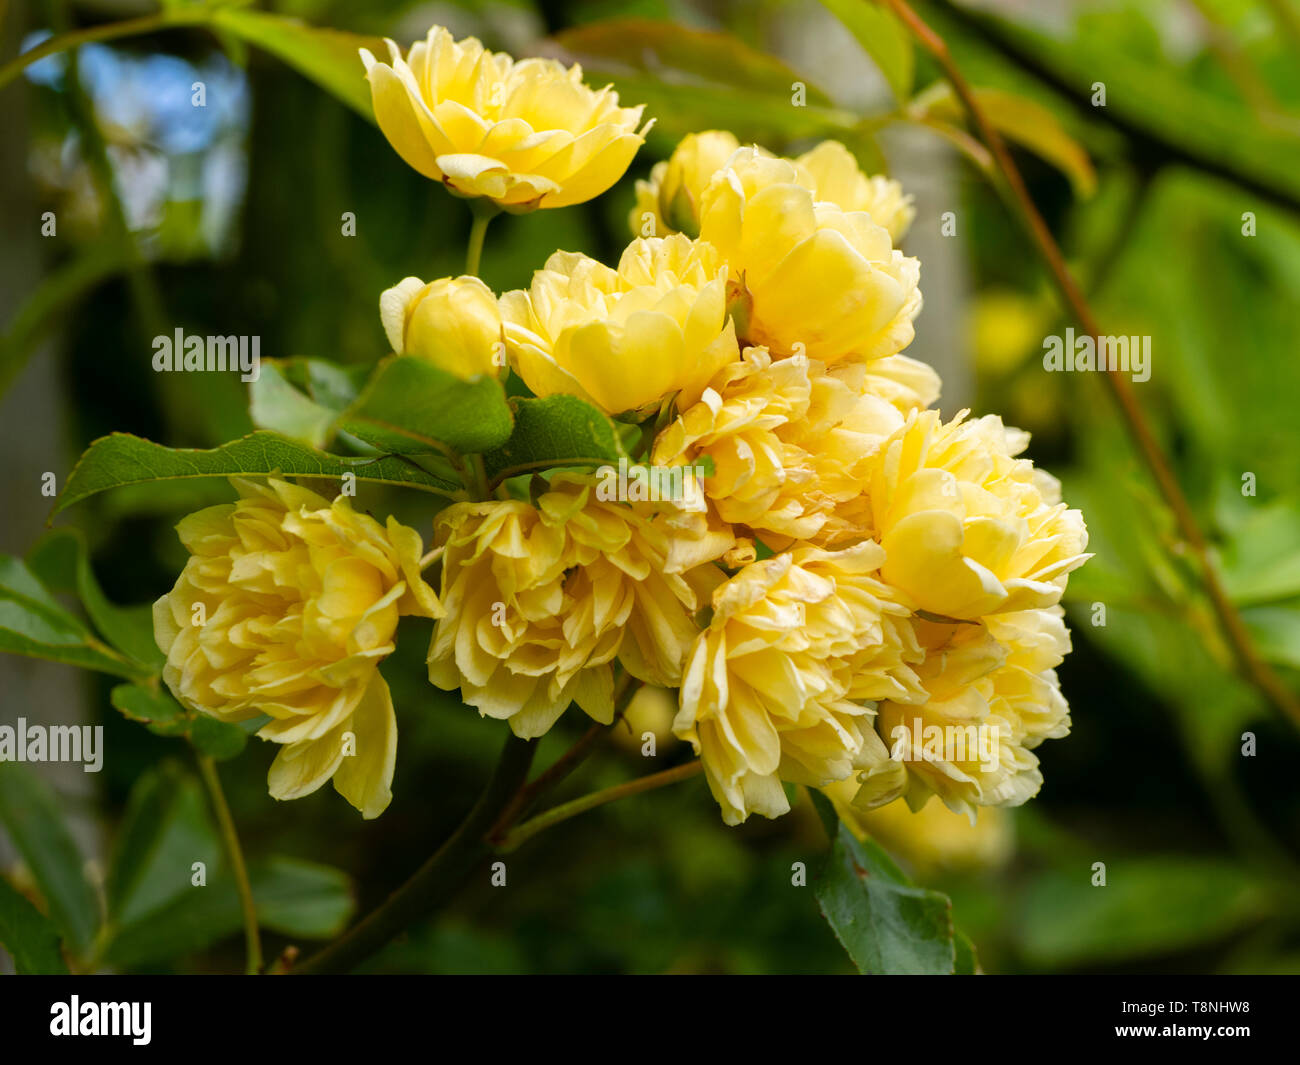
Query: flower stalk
[
  {"x": 517, "y": 837},
  {"x": 438, "y": 878},
  {"x": 235, "y": 855},
  {"x": 477, "y": 233}
]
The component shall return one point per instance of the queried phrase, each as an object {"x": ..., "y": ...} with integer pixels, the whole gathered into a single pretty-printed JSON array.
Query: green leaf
[
  {"x": 1261, "y": 562},
  {"x": 166, "y": 828},
  {"x": 32, "y": 623},
  {"x": 1276, "y": 630},
  {"x": 30, "y": 814},
  {"x": 885, "y": 923},
  {"x": 273, "y": 403},
  {"x": 552, "y": 431},
  {"x": 412, "y": 406},
  {"x": 190, "y": 922},
  {"x": 152, "y": 707},
  {"x": 1148, "y": 906},
  {"x": 122, "y": 459},
  {"x": 28, "y": 936},
  {"x": 293, "y": 897},
  {"x": 217, "y": 739},
  {"x": 692, "y": 80},
  {"x": 328, "y": 57},
  {"x": 329, "y": 384},
  {"x": 300, "y": 898},
  {"x": 61, "y": 561},
  {"x": 163, "y": 715},
  {"x": 883, "y": 38},
  {"x": 967, "y": 961},
  {"x": 1021, "y": 120}
]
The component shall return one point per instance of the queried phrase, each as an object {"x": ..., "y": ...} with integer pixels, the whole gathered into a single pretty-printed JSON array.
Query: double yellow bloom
[
  {"x": 521, "y": 135},
  {"x": 858, "y": 582},
  {"x": 286, "y": 607}
]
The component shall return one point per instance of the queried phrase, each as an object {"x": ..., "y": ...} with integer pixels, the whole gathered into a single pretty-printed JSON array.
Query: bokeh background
[{"x": 1175, "y": 203}]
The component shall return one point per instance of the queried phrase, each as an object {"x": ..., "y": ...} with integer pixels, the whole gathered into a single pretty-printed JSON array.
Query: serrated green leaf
[
  {"x": 410, "y": 406},
  {"x": 28, "y": 936},
  {"x": 883, "y": 38},
  {"x": 692, "y": 80},
  {"x": 32, "y": 623},
  {"x": 30, "y": 814},
  {"x": 163, "y": 715},
  {"x": 152, "y": 707},
  {"x": 885, "y": 923},
  {"x": 552, "y": 431},
  {"x": 122, "y": 459}
]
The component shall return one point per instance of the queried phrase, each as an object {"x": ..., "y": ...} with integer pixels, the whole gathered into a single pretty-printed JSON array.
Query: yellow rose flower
[
  {"x": 455, "y": 323},
  {"x": 812, "y": 278},
  {"x": 969, "y": 529},
  {"x": 778, "y": 687},
  {"x": 791, "y": 444},
  {"x": 907, "y": 383},
  {"x": 833, "y": 174},
  {"x": 992, "y": 697},
  {"x": 286, "y": 607},
  {"x": 541, "y": 600},
  {"x": 932, "y": 839},
  {"x": 670, "y": 201},
  {"x": 524, "y": 134},
  {"x": 623, "y": 339}
]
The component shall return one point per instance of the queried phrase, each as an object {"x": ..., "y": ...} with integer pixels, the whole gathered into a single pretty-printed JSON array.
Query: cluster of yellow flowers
[{"x": 865, "y": 593}]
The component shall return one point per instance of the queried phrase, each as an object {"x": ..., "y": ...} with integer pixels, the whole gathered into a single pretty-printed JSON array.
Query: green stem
[
  {"x": 438, "y": 878},
  {"x": 518, "y": 836},
  {"x": 540, "y": 464},
  {"x": 477, "y": 231},
  {"x": 476, "y": 472},
  {"x": 226, "y": 823},
  {"x": 179, "y": 16},
  {"x": 563, "y": 766}
]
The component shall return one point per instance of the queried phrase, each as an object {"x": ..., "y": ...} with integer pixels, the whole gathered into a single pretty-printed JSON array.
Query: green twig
[
  {"x": 520, "y": 835},
  {"x": 542, "y": 464},
  {"x": 563, "y": 767},
  {"x": 176, "y": 16},
  {"x": 477, "y": 231},
  {"x": 230, "y": 838},
  {"x": 438, "y": 878}
]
